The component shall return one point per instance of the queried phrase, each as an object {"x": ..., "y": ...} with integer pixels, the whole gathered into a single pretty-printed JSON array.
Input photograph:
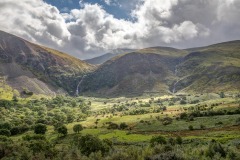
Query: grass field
[{"x": 141, "y": 127}]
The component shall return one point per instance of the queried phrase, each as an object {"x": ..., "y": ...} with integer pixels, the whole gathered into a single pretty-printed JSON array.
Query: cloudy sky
[{"x": 88, "y": 28}]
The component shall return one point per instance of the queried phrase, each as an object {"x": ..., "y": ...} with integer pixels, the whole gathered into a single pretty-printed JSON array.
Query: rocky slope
[{"x": 41, "y": 70}]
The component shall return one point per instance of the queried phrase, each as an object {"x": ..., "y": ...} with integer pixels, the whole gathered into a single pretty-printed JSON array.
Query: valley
[
  {"x": 124, "y": 124},
  {"x": 147, "y": 104}
]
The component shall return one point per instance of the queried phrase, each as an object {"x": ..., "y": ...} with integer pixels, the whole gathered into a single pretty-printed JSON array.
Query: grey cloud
[{"x": 90, "y": 30}]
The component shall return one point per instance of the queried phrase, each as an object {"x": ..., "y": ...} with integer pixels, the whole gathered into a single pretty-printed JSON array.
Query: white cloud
[
  {"x": 34, "y": 20},
  {"x": 108, "y": 2},
  {"x": 90, "y": 30}
]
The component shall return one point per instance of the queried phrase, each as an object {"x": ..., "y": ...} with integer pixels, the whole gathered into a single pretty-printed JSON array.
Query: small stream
[
  {"x": 175, "y": 84},
  {"x": 77, "y": 89}
]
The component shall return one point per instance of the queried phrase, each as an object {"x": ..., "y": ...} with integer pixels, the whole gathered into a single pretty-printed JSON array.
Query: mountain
[
  {"x": 108, "y": 56},
  {"x": 146, "y": 70},
  {"x": 28, "y": 67},
  {"x": 163, "y": 70}
]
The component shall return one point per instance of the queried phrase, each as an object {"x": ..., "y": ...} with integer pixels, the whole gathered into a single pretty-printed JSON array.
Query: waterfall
[
  {"x": 175, "y": 84},
  {"x": 77, "y": 91}
]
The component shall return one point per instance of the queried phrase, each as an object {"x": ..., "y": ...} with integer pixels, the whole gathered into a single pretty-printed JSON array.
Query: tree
[
  {"x": 40, "y": 128},
  {"x": 77, "y": 128},
  {"x": 89, "y": 143},
  {"x": 62, "y": 130}
]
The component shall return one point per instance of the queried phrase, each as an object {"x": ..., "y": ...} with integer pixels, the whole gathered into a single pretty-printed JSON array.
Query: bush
[
  {"x": 89, "y": 143},
  {"x": 191, "y": 118},
  {"x": 183, "y": 102},
  {"x": 15, "y": 131},
  {"x": 202, "y": 126},
  {"x": 157, "y": 140},
  {"x": 77, "y": 128},
  {"x": 123, "y": 126},
  {"x": 167, "y": 121},
  {"x": 40, "y": 128},
  {"x": 112, "y": 126},
  {"x": 214, "y": 148},
  {"x": 5, "y": 125},
  {"x": 165, "y": 156},
  {"x": 171, "y": 141},
  {"x": 5, "y": 139},
  {"x": 190, "y": 127},
  {"x": 5, "y": 132},
  {"x": 179, "y": 140},
  {"x": 222, "y": 95},
  {"x": 183, "y": 115}
]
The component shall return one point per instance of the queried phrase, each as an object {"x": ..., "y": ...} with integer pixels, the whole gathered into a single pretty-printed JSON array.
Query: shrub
[
  {"x": 5, "y": 132},
  {"x": 222, "y": 95},
  {"x": 171, "y": 141},
  {"x": 179, "y": 140},
  {"x": 15, "y": 131},
  {"x": 183, "y": 115},
  {"x": 214, "y": 148},
  {"x": 191, "y": 118},
  {"x": 167, "y": 121},
  {"x": 40, "y": 128},
  {"x": 5, "y": 125},
  {"x": 202, "y": 126},
  {"x": 190, "y": 127},
  {"x": 183, "y": 102},
  {"x": 5, "y": 139},
  {"x": 165, "y": 156},
  {"x": 218, "y": 123},
  {"x": 112, "y": 126},
  {"x": 157, "y": 140},
  {"x": 123, "y": 126}
]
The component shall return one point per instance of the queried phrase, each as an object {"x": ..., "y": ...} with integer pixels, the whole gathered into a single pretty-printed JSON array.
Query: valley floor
[{"x": 135, "y": 128}]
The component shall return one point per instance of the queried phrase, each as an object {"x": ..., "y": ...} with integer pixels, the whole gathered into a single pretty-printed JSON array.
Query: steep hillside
[
  {"x": 108, "y": 56},
  {"x": 164, "y": 70},
  {"x": 27, "y": 66},
  {"x": 210, "y": 69},
  {"x": 147, "y": 70}
]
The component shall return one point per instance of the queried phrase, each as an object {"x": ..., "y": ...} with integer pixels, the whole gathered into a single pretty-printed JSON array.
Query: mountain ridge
[
  {"x": 174, "y": 70},
  {"x": 28, "y": 67},
  {"x": 49, "y": 70}
]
